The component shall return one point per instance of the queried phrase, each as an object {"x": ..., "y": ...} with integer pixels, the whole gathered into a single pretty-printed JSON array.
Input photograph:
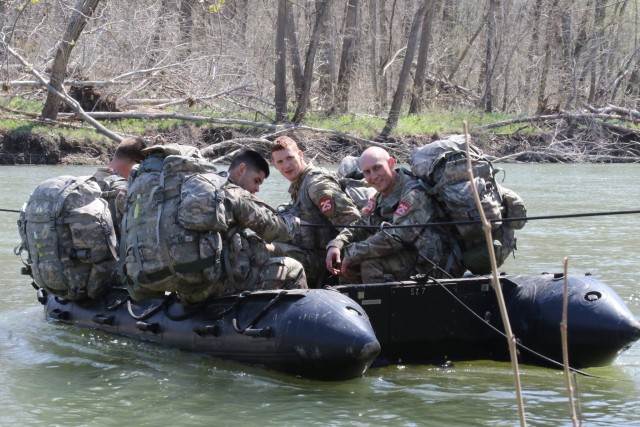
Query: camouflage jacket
[
  {"x": 114, "y": 191},
  {"x": 252, "y": 223},
  {"x": 317, "y": 198},
  {"x": 407, "y": 203}
]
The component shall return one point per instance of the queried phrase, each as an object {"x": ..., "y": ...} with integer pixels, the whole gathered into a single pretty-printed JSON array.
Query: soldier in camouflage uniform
[
  {"x": 394, "y": 253},
  {"x": 249, "y": 256},
  {"x": 316, "y": 198}
]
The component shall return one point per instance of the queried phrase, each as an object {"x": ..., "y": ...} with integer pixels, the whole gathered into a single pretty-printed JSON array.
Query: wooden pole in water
[
  {"x": 486, "y": 227},
  {"x": 565, "y": 346}
]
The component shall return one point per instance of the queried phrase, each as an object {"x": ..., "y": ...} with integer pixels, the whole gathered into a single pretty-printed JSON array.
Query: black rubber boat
[
  {"x": 316, "y": 334},
  {"x": 325, "y": 334},
  {"x": 459, "y": 319}
]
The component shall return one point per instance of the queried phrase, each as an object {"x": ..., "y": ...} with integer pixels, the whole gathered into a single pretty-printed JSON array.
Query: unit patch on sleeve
[
  {"x": 326, "y": 205},
  {"x": 371, "y": 204},
  {"x": 402, "y": 209}
]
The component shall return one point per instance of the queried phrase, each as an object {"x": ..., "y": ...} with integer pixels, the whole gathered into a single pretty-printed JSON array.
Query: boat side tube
[{"x": 319, "y": 334}]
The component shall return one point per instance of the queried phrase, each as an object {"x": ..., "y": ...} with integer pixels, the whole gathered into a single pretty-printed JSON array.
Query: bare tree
[
  {"x": 280, "y": 81},
  {"x": 186, "y": 26},
  {"x": 490, "y": 57},
  {"x": 294, "y": 52},
  {"x": 305, "y": 90},
  {"x": 394, "y": 112},
  {"x": 423, "y": 54},
  {"x": 326, "y": 59},
  {"x": 346, "y": 59},
  {"x": 82, "y": 12}
]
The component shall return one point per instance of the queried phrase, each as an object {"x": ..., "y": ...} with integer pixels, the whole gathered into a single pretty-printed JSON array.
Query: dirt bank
[{"x": 26, "y": 147}]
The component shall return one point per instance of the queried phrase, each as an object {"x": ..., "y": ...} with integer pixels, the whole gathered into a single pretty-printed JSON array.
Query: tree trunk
[
  {"x": 82, "y": 12},
  {"x": 384, "y": 47},
  {"x": 490, "y": 57},
  {"x": 185, "y": 23},
  {"x": 456, "y": 66},
  {"x": 327, "y": 63},
  {"x": 544, "y": 75},
  {"x": 280, "y": 80},
  {"x": 394, "y": 112},
  {"x": 597, "y": 42},
  {"x": 154, "y": 46},
  {"x": 373, "y": 51},
  {"x": 305, "y": 90},
  {"x": 423, "y": 55},
  {"x": 346, "y": 59},
  {"x": 294, "y": 52}
]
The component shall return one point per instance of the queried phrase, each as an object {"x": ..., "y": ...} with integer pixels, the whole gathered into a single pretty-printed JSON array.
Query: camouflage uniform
[
  {"x": 248, "y": 264},
  {"x": 317, "y": 198},
  {"x": 114, "y": 191},
  {"x": 392, "y": 254}
]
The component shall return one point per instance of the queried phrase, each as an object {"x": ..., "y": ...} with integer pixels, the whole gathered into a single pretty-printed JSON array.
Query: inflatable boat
[
  {"x": 312, "y": 333},
  {"x": 336, "y": 333},
  {"x": 459, "y": 319}
]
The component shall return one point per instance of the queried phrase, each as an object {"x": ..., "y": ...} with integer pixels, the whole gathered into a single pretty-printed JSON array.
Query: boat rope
[
  {"x": 9, "y": 210},
  {"x": 259, "y": 316},
  {"x": 473, "y": 221},
  {"x": 518, "y": 343},
  {"x": 149, "y": 312}
]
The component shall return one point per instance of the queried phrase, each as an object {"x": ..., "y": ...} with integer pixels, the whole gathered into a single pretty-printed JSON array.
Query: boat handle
[
  {"x": 101, "y": 319},
  {"x": 254, "y": 332},
  {"x": 154, "y": 328}
]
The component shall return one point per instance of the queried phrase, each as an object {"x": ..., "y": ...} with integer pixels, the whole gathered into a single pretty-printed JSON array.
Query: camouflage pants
[
  {"x": 282, "y": 273},
  {"x": 277, "y": 273},
  {"x": 312, "y": 261},
  {"x": 390, "y": 268},
  {"x": 401, "y": 266}
]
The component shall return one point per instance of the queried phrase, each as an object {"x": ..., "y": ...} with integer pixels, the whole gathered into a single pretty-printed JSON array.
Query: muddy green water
[{"x": 53, "y": 374}]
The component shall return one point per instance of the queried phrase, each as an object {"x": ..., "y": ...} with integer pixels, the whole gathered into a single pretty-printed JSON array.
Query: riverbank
[{"x": 39, "y": 144}]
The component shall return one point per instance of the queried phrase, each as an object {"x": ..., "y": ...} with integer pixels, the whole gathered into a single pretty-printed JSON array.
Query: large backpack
[
  {"x": 442, "y": 165},
  {"x": 68, "y": 233},
  {"x": 171, "y": 228}
]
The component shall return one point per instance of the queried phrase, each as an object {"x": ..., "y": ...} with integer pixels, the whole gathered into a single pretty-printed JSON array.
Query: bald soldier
[
  {"x": 316, "y": 198},
  {"x": 393, "y": 253}
]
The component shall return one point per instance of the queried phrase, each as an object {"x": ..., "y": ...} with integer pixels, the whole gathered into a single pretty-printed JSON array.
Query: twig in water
[
  {"x": 495, "y": 282},
  {"x": 565, "y": 347}
]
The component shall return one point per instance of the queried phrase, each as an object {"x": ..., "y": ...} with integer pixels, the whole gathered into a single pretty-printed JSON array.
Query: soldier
[
  {"x": 248, "y": 170},
  {"x": 128, "y": 154},
  {"x": 113, "y": 179},
  {"x": 394, "y": 253},
  {"x": 317, "y": 198},
  {"x": 247, "y": 251}
]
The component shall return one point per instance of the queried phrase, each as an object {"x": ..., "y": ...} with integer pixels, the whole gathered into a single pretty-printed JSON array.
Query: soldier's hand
[
  {"x": 333, "y": 257},
  {"x": 346, "y": 273}
]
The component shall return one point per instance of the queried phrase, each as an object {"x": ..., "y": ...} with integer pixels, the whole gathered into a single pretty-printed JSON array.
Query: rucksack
[
  {"x": 442, "y": 165},
  {"x": 171, "y": 228},
  {"x": 352, "y": 182},
  {"x": 358, "y": 190},
  {"x": 68, "y": 233}
]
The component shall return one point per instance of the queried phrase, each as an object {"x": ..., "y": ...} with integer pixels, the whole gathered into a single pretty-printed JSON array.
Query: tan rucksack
[
  {"x": 171, "y": 228},
  {"x": 442, "y": 165},
  {"x": 68, "y": 234}
]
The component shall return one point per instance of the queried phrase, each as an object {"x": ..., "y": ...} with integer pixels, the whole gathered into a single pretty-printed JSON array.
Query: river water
[{"x": 53, "y": 374}]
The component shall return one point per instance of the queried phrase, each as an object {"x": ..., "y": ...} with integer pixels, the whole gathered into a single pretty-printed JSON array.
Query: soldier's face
[
  {"x": 289, "y": 162},
  {"x": 379, "y": 173},
  {"x": 251, "y": 180}
]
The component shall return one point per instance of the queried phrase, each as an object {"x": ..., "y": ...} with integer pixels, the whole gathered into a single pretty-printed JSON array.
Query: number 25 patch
[
  {"x": 326, "y": 205},
  {"x": 402, "y": 209}
]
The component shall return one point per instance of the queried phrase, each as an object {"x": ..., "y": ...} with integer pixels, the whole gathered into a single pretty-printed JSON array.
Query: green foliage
[{"x": 215, "y": 7}]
